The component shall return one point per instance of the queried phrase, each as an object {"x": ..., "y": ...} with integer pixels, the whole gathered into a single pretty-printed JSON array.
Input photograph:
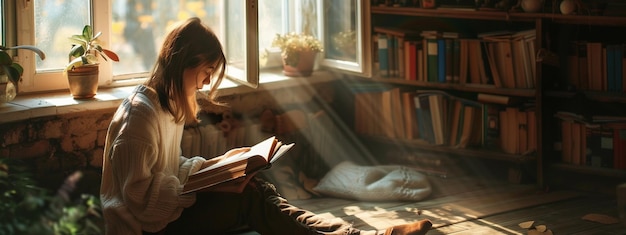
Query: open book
[{"x": 238, "y": 167}]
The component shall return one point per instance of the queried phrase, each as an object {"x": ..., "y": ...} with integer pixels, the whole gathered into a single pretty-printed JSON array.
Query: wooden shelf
[
  {"x": 604, "y": 172},
  {"x": 461, "y": 87},
  {"x": 603, "y": 96},
  {"x": 500, "y": 15},
  {"x": 463, "y": 152}
]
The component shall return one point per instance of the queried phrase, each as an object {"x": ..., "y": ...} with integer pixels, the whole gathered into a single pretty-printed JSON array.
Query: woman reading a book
[{"x": 144, "y": 173}]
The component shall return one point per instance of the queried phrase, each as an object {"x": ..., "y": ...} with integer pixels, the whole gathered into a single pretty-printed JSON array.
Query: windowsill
[{"x": 56, "y": 103}]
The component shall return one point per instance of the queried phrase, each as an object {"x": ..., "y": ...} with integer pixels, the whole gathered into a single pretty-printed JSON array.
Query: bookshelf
[
  {"x": 590, "y": 92},
  {"x": 545, "y": 95}
]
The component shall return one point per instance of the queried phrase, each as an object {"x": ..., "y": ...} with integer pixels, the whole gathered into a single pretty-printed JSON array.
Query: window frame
[
  {"x": 363, "y": 65},
  {"x": 23, "y": 12}
]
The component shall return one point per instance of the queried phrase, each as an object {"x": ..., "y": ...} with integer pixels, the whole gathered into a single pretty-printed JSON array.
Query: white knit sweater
[{"x": 143, "y": 170}]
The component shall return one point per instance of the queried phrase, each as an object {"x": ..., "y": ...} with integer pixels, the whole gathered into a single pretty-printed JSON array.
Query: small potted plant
[
  {"x": 11, "y": 72},
  {"x": 298, "y": 52},
  {"x": 82, "y": 70}
]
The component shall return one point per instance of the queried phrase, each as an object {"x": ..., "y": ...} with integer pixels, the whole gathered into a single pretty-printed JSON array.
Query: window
[
  {"x": 2, "y": 23},
  {"x": 342, "y": 28},
  {"x": 135, "y": 29}
]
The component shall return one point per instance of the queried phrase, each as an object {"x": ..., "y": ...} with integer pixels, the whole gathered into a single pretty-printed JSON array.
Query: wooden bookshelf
[
  {"x": 420, "y": 145},
  {"x": 549, "y": 29},
  {"x": 500, "y": 15},
  {"x": 461, "y": 87}
]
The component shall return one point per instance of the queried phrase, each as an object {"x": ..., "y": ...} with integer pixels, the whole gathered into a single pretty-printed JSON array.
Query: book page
[
  {"x": 280, "y": 151},
  {"x": 264, "y": 148}
]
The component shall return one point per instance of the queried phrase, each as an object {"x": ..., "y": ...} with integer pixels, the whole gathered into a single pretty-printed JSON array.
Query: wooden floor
[{"x": 466, "y": 205}]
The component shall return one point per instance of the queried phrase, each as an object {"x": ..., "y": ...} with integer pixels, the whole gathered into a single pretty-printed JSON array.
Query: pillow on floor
[{"x": 374, "y": 183}]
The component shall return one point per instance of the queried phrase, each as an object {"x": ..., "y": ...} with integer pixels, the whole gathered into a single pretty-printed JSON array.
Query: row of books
[
  {"x": 597, "y": 139},
  {"x": 593, "y": 145},
  {"x": 439, "y": 118},
  {"x": 503, "y": 59},
  {"x": 597, "y": 66},
  {"x": 454, "y": 4}
]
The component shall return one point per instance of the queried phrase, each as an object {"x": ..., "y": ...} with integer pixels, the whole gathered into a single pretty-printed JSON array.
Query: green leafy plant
[
  {"x": 87, "y": 49},
  {"x": 28, "y": 208},
  {"x": 12, "y": 69},
  {"x": 291, "y": 44}
]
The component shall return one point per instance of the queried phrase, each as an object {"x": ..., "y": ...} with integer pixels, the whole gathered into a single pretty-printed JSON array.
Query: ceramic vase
[
  {"x": 532, "y": 5},
  {"x": 567, "y": 7}
]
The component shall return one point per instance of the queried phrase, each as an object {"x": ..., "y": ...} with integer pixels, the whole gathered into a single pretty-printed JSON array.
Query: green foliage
[
  {"x": 86, "y": 48},
  {"x": 28, "y": 208},
  {"x": 14, "y": 70}
]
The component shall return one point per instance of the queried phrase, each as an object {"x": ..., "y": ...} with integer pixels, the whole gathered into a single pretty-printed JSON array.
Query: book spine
[
  {"x": 618, "y": 51},
  {"x": 432, "y": 60},
  {"x": 441, "y": 60},
  {"x": 491, "y": 127},
  {"x": 383, "y": 51}
]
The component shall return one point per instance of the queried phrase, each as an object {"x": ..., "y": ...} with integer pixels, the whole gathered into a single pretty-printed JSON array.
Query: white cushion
[{"x": 374, "y": 183}]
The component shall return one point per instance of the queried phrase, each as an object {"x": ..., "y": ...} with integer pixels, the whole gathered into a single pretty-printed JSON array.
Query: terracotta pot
[
  {"x": 83, "y": 81},
  {"x": 305, "y": 65},
  {"x": 532, "y": 5}
]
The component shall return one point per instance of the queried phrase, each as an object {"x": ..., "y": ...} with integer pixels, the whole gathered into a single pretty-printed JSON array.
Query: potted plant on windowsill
[
  {"x": 298, "y": 52},
  {"x": 82, "y": 70},
  {"x": 11, "y": 72}
]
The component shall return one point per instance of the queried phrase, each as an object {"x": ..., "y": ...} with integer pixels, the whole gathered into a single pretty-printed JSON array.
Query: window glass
[
  {"x": 135, "y": 30},
  {"x": 345, "y": 47},
  {"x": 53, "y": 26},
  {"x": 139, "y": 26},
  {"x": 340, "y": 30},
  {"x": 2, "y": 15},
  {"x": 273, "y": 19}
]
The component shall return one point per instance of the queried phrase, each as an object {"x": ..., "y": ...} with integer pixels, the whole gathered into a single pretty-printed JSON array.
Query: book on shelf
[
  {"x": 471, "y": 127},
  {"x": 532, "y": 130},
  {"x": 491, "y": 126},
  {"x": 441, "y": 60},
  {"x": 432, "y": 59},
  {"x": 600, "y": 147},
  {"x": 619, "y": 148},
  {"x": 509, "y": 130},
  {"x": 391, "y": 110},
  {"x": 238, "y": 169},
  {"x": 437, "y": 110},
  {"x": 456, "y": 122},
  {"x": 463, "y": 61},
  {"x": 410, "y": 118},
  {"x": 583, "y": 76},
  {"x": 424, "y": 118},
  {"x": 383, "y": 54},
  {"x": 497, "y": 99},
  {"x": 594, "y": 66},
  {"x": 395, "y": 50},
  {"x": 623, "y": 68},
  {"x": 392, "y": 55},
  {"x": 476, "y": 64},
  {"x": 609, "y": 67},
  {"x": 456, "y": 60}
]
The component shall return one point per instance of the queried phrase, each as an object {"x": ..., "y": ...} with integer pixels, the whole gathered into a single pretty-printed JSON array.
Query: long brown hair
[{"x": 188, "y": 45}]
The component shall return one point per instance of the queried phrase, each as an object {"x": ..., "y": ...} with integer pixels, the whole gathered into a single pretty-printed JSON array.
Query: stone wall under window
[{"x": 56, "y": 146}]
